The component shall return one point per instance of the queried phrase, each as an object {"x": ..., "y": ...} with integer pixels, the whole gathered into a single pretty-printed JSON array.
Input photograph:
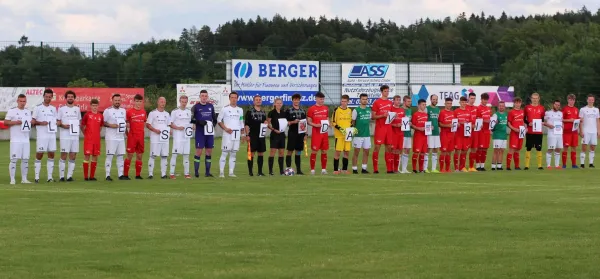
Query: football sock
[
  {"x": 232, "y": 158},
  {"x": 12, "y": 168},
  {"x": 415, "y": 158},
  {"x": 573, "y": 158},
  {"x": 271, "y": 162},
  {"x": 86, "y": 165},
  {"x": 71, "y": 168},
  {"x": 336, "y": 164},
  {"x": 196, "y": 164},
  {"x": 313, "y": 161},
  {"x": 582, "y": 158},
  {"x": 288, "y": 161},
  {"x": 549, "y": 159},
  {"x": 297, "y": 161},
  {"x": 404, "y": 162},
  {"x": 527, "y": 158},
  {"x": 207, "y": 163},
  {"x": 24, "y": 169},
  {"x": 186, "y": 164},
  {"x": 422, "y": 161},
  {"x": 128, "y": 165},
  {"x": 456, "y": 161},
  {"x": 50, "y": 167},
  {"x": 592, "y": 155},
  {"x": 250, "y": 165},
  {"x": 151, "y": 165},
  {"x": 517, "y": 158},
  {"x": 163, "y": 165},
  {"x": 564, "y": 158},
  {"x": 323, "y": 160},
  {"x": 108, "y": 164},
  {"x": 426, "y": 161},
  {"x": 557, "y": 159},
  {"x": 472, "y": 159},
  {"x": 280, "y": 163},
  {"x": 344, "y": 164},
  {"x": 93, "y": 169},
  {"x": 138, "y": 167},
  {"x": 61, "y": 168},
  {"x": 37, "y": 168},
  {"x": 442, "y": 163},
  {"x": 463, "y": 160},
  {"x": 509, "y": 158},
  {"x": 172, "y": 163},
  {"x": 222, "y": 162},
  {"x": 538, "y": 157},
  {"x": 434, "y": 161},
  {"x": 120, "y": 163},
  {"x": 375, "y": 161},
  {"x": 260, "y": 161}
]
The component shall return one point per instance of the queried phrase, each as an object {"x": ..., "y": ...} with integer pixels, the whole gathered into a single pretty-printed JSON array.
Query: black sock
[
  {"x": 250, "y": 163},
  {"x": 271, "y": 161},
  {"x": 297, "y": 159},
  {"x": 280, "y": 162},
  {"x": 336, "y": 164},
  {"x": 288, "y": 161},
  {"x": 345, "y": 164},
  {"x": 260, "y": 163}
]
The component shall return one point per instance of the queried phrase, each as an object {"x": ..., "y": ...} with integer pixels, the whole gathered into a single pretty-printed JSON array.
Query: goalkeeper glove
[
  {"x": 342, "y": 130},
  {"x": 201, "y": 122}
]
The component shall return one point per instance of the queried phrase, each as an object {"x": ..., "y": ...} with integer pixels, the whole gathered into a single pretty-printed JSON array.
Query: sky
[{"x": 133, "y": 21}]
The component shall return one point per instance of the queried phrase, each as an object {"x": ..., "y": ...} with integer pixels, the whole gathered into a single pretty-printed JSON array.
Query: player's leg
[
  {"x": 272, "y": 152},
  {"x": 338, "y": 145},
  {"x": 209, "y": 144},
  {"x": 291, "y": 145},
  {"x": 574, "y": 145},
  {"x": 25, "y": 162},
  {"x": 164, "y": 159},
  {"x": 324, "y": 147},
  {"x": 41, "y": 146},
  {"x": 62, "y": 163},
  {"x": 584, "y": 147},
  {"x": 356, "y": 143},
  {"x": 186, "y": 159},
  {"x": 473, "y": 153},
  {"x": 73, "y": 150},
  {"x": 298, "y": 148},
  {"x": 253, "y": 143},
  {"x": 120, "y": 153},
  {"x": 15, "y": 155},
  {"x": 345, "y": 158},
  {"x": 537, "y": 144},
  {"x": 593, "y": 142},
  {"x": 177, "y": 148},
  {"x": 528, "y": 146},
  {"x": 407, "y": 146},
  {"x": 154, "y": 151},
  {"x": 226, "y": 147},
  {"x": 94, "y": 163},
  {"x": 262, "y": 148},
  {"x": 51, "y": 148},
  {"x": 434, "y": 158},
  {"x": 280, "y": 159},
  {"x": 111, "y": 146},
  {"x": 199, "y": 146},
  {"x": 131, "y": 148},
  {"x": 86, "y": 165},
  {"x": 375, "y": 158}
]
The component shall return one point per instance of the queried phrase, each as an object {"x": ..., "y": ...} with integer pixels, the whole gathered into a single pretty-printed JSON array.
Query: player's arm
[
  {"x": 149, "y": 124},
  {"x": 510, "y": 126},
  {"x": 222, "y": 124},
  {"x": 84, "y": 123},
  {"x": 8, "y": 120},
  {"x": 567, "y": 120},
  {"x": 172, "y": 125},
  {"x": 581, "y": 117},
  {"x": 246, "y": 123},
  {"x": 59, "y": 121},
  {"x": 34, "y": 117},
  {"x": 335, "y": 122},
  {"x": 106, "y": 117}
]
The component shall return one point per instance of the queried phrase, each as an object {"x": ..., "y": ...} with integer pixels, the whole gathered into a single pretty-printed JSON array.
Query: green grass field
[
  {"x": 527, "y": 224},
  {"x": 472, "y": 80}
]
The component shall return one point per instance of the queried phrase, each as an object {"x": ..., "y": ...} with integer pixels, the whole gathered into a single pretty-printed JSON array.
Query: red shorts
[
  {"x": 484, "y": 139},
  {"x": 419, "y": 142},
  {"x": 91, "y": 148},
  {"x": 447, "y": 141},
  {"x": 570, "y": 139},
  {"x": 475, "y": 139},
  {"x": 319, "y": 141},
  {"x": 384, "y": 135},
  {"x": 397, "y": 139},
  {"x": 514, "y": 142},
  {"x": 135, "y": 145},
  {"x": 462, "y": 143}
]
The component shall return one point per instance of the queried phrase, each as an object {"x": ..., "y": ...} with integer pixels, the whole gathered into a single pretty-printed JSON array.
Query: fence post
[
  {"x": 93, "y": 61},
  {"x": 42, "y": 61},
  {"x": 453, "y": 70},
  {"x": 139, "y": 78},
  {"x": 408, "y": 76}
]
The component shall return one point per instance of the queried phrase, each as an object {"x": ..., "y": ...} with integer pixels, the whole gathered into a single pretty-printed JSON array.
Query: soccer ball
[{"x": 289, "y": 172}]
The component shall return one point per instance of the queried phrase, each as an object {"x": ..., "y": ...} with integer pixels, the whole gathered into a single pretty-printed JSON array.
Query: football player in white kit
[
  {"x": 44, "y": 118},
  {"x": 69, "y": 118},
  {"x": 231, "y": 120},
  {"x": 19, "y": 120},
  {"x": 588, "y": 130},
  {"x": 158, "y": 123},
  {"x": 182, "y": 133},
  {"x": 114, "y": 121},
  {"x": 553, "y": 119}
]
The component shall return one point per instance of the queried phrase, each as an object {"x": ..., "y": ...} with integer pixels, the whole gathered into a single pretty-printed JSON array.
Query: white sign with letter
[
  {"x": 263, "y": 130},
  {"x": 188, "y": 131},
  {"x": 283, "y": 123},
  {"x": 302, "y": 126},
  {"x": 209, "y": 129},
  {"x": 468, "y": 129},
  {"x": 324, "y": 126},
  {"x": 164, "y": 135},
  {"x": 405, "y": 124},
  {"x": 428, "y": 128},
  {"x": 52, "y": 126},
  {"x": 478, "y": 124},
  {"x": 121, "y": 127},
  {"x": 576, "y": 125},
  {"x": 390, "y": 117},
  {"x": 454, "y": 127},
  {"x": 493, "y": 121},
  {"x": 74, "y": 128},
  {"x": 349, "y": 134},
  {"x": 537, "y": 125},
  {"x": 236, "y": 134},
  {"x": 522, "y": 132},
  {"x": 25, "y": 126}
]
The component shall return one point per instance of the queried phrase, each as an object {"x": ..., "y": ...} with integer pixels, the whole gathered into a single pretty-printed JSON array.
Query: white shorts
[
  {"x": 228, "y": 144},
  {"x": 590, "y": 139},
  {"x": 555, "y": 142},
  {"x": 433, "y": 142},
  {"x": 45, "y": 145},
  {"x": 115, "y": 147},
  {"x": 407, "y": 143},
  {"x": 181, "y": 147},
  {"x": 69, "y": 145},
  {"x": 499, "y": 144},
  {"x": 362, "y": 142},
  {"x": 19, "y": 150},
  {"x": 159, "y": 149}
]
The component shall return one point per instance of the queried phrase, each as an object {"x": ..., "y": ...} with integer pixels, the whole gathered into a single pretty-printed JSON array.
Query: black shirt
[
  {"x": 253, "y": 119},
  {"x": 292, "y": 114},
  {"x": 274, "y": 115}
]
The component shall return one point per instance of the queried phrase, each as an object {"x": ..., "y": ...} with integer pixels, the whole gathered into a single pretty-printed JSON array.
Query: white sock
[
  {"x": 173, "y": 163},
  {"x": 557, "y": 159},
  {"x": 434, "y": 161},
  {"x": 61, "y": 168},
  {"x": 592, "y": 155},
  {"x": 24, "y": 169},
  {"x": 151, "y": 165},
  {"x": 548, "y": 159},
  {"x": 232, "y": 162},
  {"x": 222, "y": 162},
  {"x": 582, "y": 158},
  {"x": 12, "y": 169},
  {"x": 37, "y": 168},
  {"x": 499, "y": 166},
  {"x": 71, "y": 168},
  {"x": 404, "y": 162},
  {"x": 163, "y": 165},
  {"x": 354, "y": 168},
  {"x": 50, "y": 167},
  {"x": 426, "y": 162},
  {"x": 364, "y": 166},
  {"x": 186, "y": 164},
  {"x": 108, "y": 164},
  {"x": 120, "y": 165}
]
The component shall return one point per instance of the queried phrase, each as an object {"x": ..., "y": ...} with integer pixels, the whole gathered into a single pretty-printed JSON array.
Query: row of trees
[{"x": 553, "y": 54}]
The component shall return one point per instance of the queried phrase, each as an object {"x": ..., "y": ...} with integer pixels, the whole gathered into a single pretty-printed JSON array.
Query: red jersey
[
  {"x": 418, "y": 120},
  {"x": 93, "y": 123},
  {"x": 485, "y": 113},
  {"x": 516, "y": 118},
  {"x": 381, "y": 107},
  {"x": 463, "y": 116},
  {"x": 531, "y": 113},
  {"x": 317, "y": 113},
  {"x": 446, "y": 117},
  {"x": 568, "y": 114},
  {"x": 473, "y": 110},
  {"x": 398, "y": 120},
  {"x": 137, "y": 122}
]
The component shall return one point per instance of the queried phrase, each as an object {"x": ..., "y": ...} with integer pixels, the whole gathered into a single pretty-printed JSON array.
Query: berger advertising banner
[
  {"x": 273, "y": 79},
  {"x": 497, "y": 93},
  {"x": 218, "y": 94},
  {"x": 367, "y": 78},
  {"x": 104, "y": 95},
  {"x": 8, "y": 97}
]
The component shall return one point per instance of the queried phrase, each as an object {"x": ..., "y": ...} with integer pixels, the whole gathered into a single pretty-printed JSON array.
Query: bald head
[{"x": 162, "y": 102}]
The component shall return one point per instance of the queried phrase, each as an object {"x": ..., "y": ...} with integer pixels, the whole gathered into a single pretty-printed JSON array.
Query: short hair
[
  {"x": 203, "y": 91},
  {"x": 115, "y": 95},
  {"x": 517, "y": 100},
  {"x": 448, "y": 100},
  {"x": 138, "y": 97},
  {"x": 383, "y": 87},
  {"x": 431, "y": 97},
  {"x": 406, "y": 98},
  {"x": 571, "y": 96},
  {"x": 233, "y": 93},
  {"x": 296, "y": 96},
  {"x": 535, "y": 94},
  {"x": 70, "y": 92},
  {"x": 422, "y": 101},
  {"x": 320, "y": 95},
  {"x": 485, "y": 96},
  {"x": 396, "y": 97},
  {"x": 363, "y": 95},
  {"x": 48, "y": 91},
  {"x": 257, "y": 96},
  {"x": 501, "y": 102},
  {"x": 557, "y": 101},
  {"x": 21, "y": 96},
  {"x": 472, "y": 95},
  {"x": 463, "y": 98},
  {"x": 94, "y": 102},
  {"x": 183, "y": 97},
  {"x": 345, "y": 97},
  {"x": 591, "y": 95}
]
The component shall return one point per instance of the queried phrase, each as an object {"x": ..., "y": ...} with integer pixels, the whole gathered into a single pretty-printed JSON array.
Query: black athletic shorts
[
  {"x": 534, "y": 141},
  {"x": 258, "y": 144},
  {"x": 277, "y": 141},
  {"x": 295, "y": 142}
]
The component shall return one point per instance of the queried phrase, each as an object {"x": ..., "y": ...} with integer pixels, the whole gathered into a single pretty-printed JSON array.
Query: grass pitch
[{"x": 527, "y": 224}]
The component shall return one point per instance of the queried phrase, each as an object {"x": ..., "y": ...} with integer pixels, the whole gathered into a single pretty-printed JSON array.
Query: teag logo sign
[{"x": 368, "y": 71}]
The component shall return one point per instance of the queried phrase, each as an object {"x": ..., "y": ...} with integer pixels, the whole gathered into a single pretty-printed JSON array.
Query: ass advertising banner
[
  {"x": 497, "y": 93},
  {"x": 367, "y": 78},
  {"x": 218, "y": 94}
]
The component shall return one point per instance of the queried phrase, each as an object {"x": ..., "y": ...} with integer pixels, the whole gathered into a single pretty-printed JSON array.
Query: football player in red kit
[
  {"x": 91, "y": 125},
  {"x": 475, "y": 135},
  {"x": 485, "y": 135},
  {"x": 318, "y": 117},
  {"x": 462, "y": 143},
  {"x": 383, "y": 132},
  {"x": 136, "y": 122},
  {"x": 570, "y": 137},
  {"x": 516, "y": 123},
  {"x": 446, "y": 135},
  {"x": 419, "y": 138},
  {"x": 397, "y": 134}
]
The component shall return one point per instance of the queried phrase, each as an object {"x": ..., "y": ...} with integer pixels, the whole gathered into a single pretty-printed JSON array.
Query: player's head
[
  {"x": 233, "y": 97},
  {"x": 517, "y": 102},
  {"x": 364, "y": 99},
  {"x": 397, "y": 101},
  {"x": 571, "y": 100},
  {"x": 385, "y": 91},
  {"x": 203, "y": 96},
  {"x": 485, "y": 97},
  {"x": 277, "y": 103},
  {"x": 70, "y": 97},
  {"x": 161, "y": 103},
  {"x": 138, "y": 101},
  {"x": 501, "y": 106},
  {"x": 48, "y": 95},
  {"x": 535, "y": 99},
  {"x": 422, "y": 104},
  {"x": 556, "y": 105},
  {"x": 472, "y": 97},
  {"x": 406, "y": 100},
  {"x": 94, "y": 105},
  {"x": 296, "y": 99},
  {"x": 590, "y": 100},
  {"x": 434, "y": 100},
  {"x": 183, "y": 101},
  {"x": 448, "y": 103},
  {"x": 463, "y": 102},
  {"x": 21, "y": 101},
  {"x": 344, "y": 101},
  {"x": 320, "y": 98},
  {"x": 116, "y": 100},
  {"x": 257, "y": 100}
]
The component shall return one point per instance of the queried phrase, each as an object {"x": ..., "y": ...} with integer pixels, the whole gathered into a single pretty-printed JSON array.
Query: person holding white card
[
  {"x": 553, "y": 119},
  {"x": 344, "y": 134},
  {"x": 473, "y": 154},
  {"x": 68, "y": 120},
  {"x": 158, "y": 123},
  {"x": 534, "y": 114},
  {"x": 515, "y": 121},
  {"x": 318, "y": 117},
  {"x": 231, "y": 120},
  {"x": 296, "y": 141},
  {"x": 418, "y": 121},
  {"x": 277, "y": 138},
  {"x": 115, "y": 123},
  {"x": 589, "y": 130},
  {"x": 19, "y": 120},
  {"x": 570, "y": 133},
  {"x": 44, "y": 119},
  {"x": 204, "y": 118},
  {"x": 446, "y": 135},
  {"x": 397, "y": 133},
  {"x": 383, "y": 132},
  {"x": 484, "y": 114},
  {"x": 462, "y": 143},
  {"x": 182, "y": 133},
  {"x": 256, "y": 121},
  {"x": 407, "y": 142},
  {"x": 499, "y": 136}
]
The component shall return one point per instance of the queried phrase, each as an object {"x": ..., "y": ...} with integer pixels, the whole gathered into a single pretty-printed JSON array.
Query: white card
[
  {"x": 454, "y": 127},
  {"x": 390, "y": 117},
  {"x": 209, "y": 129},
  {"x": 121, "y": 127},
  {"x": 302, "y": 127},
  {"x": 263, "y": 130},
  {"x": 324, "y": 126},
  {"x": 522, "y": 132},
  {"x": 468, "y": 129},
  {"x": 52, "y": 126},
  {"x": 558, "y": 128},
  {"x": 188, "y": 132},
  {"x": 283, "y": 123},
  {"x": 428, "y": 128},
  {"x": 349, "y": 134},
  {"x": 478, "y": 124},
  {"x": 576, "y": 125},
  {"x": 405, "y": 124},
  {"x": 537, "y": 125},
  {"x": 25, "y": 126},
  {"x": 236, "y": 135},
  {"x": 493, "y": 121},
  {"x": 74, "y": 128},
  {"x": 164, "y": 135}
]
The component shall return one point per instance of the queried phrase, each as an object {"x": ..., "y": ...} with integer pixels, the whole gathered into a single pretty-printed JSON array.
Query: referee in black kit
[
  {"x": 277, "y": 142},
  {"x": 253, "y": 119},
  {"x": 295, "y": 140}
]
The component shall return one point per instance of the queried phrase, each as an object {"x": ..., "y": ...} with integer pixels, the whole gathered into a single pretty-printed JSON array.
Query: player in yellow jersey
[{"x": 343, "y": 132}]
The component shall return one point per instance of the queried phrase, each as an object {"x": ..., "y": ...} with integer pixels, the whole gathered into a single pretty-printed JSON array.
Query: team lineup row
[{"x": 467, "y": 130}]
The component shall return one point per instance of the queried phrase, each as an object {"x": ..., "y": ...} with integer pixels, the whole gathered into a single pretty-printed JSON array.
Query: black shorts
[
  {"x": 534, "y": 141},
  {"x": 295, "y": 142},
  {"x": 277, "y": 141},
  {"x": 258, "y": 144}
]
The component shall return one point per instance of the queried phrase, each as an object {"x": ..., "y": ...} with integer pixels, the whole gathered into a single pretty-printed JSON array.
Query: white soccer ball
[{"x": 289, "y": 172}]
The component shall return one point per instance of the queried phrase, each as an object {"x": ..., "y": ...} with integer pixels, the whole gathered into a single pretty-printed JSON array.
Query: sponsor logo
[
  {"x": 368, "y": 71},
  {"x": 242, "y": 70}
]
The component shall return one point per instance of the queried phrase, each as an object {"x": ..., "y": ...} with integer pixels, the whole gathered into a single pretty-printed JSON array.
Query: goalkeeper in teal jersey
[
  {"x": 361, "y": 120},
  {"x": 499, "y": 135}
]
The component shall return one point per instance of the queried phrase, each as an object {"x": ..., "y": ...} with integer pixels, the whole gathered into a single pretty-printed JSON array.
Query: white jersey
[
  {"x": 159, "y": 120},
  {"x": 181, "y": 117},
  {"x": 114, "y": 115},
  {"x": 590, "y": 117},
  {"x": 19, "y": 133},
  {"x": 553, "y": 117},
  {"x": 44, "y": 113},
  {"x": 68, "y": 115},
  {"x": 232, "y": 117}
]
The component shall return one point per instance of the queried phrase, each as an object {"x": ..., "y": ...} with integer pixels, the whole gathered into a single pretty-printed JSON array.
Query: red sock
[
  {"x": 93, "y": 169},
  {"x": 564, "y": 158},
  {"x": 86, "y": 165},
  {"x": 375, "y": 161},
  {"x": 448, "y": 162},
  {"x": 415, "y": 158},
  {"x": 573, "y": 158},
  {"x": 509, "y": 158},
  {"x": 313, "y": 161},
  {"x": 387, "y": 161},
  {"x": 517, "y": 160},
  {"x": 138, "y": 168},
  {"x": 323, "y": 160},
  {"x": 456, "y": 161},
  {"x": 472, "y": 159},
  {"x": 463, "y": 161},
  {"x": 126, "y": 167},
  {"x": 396, "y": 162},
  {"x": 483, "y": 156},
  {"x": 442, "y": 162},
  {"x": 421, "y": 161}
]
